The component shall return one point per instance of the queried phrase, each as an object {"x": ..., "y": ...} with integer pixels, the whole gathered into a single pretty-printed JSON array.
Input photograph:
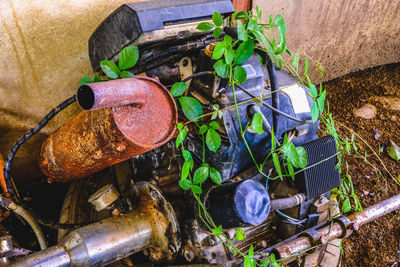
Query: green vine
[{"x": 229, "y": 54}]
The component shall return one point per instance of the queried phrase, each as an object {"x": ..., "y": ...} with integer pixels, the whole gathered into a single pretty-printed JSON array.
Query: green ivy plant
[{"x": 127, "y": 59}]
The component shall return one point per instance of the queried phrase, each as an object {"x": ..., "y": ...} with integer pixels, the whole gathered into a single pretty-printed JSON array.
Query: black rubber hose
[
  {"x": 203, "y": 73},
  {"x": 272, "y": 108},
  {"x": 274, "y": 89},
  {"x": 23, "y": 139}
]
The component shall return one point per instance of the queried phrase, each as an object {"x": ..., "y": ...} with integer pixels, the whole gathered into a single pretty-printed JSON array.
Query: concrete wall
[{"x": 344, "y": 35}]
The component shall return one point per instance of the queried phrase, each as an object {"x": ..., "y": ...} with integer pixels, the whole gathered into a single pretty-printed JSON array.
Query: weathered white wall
[{"x": 344, "y": 35}]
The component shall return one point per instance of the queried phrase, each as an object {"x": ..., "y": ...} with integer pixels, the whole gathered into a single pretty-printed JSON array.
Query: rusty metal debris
[{"x": 127, "y": 117}]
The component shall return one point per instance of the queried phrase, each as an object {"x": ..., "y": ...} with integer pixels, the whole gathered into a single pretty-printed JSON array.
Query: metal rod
[{"x": 338, "y": 229}]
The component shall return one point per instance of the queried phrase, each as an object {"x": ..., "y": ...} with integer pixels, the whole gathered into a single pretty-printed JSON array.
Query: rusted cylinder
[
  {"x": 96, "y": 139},
  {"x": 293, "y": 247}
]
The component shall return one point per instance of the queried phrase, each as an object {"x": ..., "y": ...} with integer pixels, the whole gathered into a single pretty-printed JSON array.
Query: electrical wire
[
  {"x": 10, "y": 186},
  {"x": 198, "y": 74},
  {"x": 290, "y": 220},
  {"x": 272, "y": 108}
]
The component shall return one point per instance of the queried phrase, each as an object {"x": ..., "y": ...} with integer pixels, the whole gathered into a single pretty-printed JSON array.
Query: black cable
[
  {"x": 23, "y": 139},
  {"x": 198, "y": 75},
  {"x": 274, "y": 89},
  {"x": 272, "y": 108}
]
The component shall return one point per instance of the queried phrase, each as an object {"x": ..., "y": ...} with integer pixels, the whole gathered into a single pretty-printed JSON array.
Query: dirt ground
[{"x": 377, "y": 243}]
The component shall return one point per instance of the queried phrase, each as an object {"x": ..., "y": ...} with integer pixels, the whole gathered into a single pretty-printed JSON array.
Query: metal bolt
[
  {"x": 189, "y": 255},
  {"x": 212, "y": 241},
  {"x": 191, "y": 147}
]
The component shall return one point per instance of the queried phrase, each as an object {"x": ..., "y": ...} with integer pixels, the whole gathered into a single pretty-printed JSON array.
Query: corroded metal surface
[
  {"x": 340, "y": 228},
  {"x": 96, "y": 139},
  {"x": 151, "y": 226}
]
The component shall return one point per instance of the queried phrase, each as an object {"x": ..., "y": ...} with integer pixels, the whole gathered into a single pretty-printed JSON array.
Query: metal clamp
[{"x": 345, "y": 223}]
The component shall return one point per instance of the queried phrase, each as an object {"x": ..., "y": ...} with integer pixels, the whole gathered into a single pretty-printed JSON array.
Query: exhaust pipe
[
  {"x": 122, "y": 119},
  {"x": 151, "y": 226}
]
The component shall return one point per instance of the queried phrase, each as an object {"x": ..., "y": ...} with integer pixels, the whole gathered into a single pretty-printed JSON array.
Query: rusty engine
[{"x": 129, "y": 208}]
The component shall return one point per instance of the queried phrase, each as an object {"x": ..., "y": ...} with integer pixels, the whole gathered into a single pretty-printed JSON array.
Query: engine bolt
[
  {"x": 189, "y": 255},
  {"x": 212, "y": 241}
]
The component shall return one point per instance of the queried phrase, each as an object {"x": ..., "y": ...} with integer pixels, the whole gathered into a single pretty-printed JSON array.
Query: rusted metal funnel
[{"x": 122, "y": 119}]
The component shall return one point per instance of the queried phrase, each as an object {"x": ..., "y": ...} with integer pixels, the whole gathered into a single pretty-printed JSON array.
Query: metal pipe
[
  {"x": 97, "y": 244},
  {"x": 152, "y": 226},
  {"x": 288, "y": 202},
  {"x": 127, "y": 117},
  {"x": 339, "y": 229}
]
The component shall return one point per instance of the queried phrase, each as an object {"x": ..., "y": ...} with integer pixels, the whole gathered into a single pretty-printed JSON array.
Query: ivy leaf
[
  {"x": 277, "y": 164},
  {"x": 247, "y": 262},
  {"x": 346, "y": 206},
  {"x": 217, "y": 32},
  {"x": 280, "y": 23},
  {"x": 219, "y": 50},
  {"x": 187, "y": 166},
  {"x": 85, "y": 80},
  {"x": 203, "y": 129},
  {"x": 185, "y": 184},
  {"x": 252, "y": 25},
  {"x": 313, "y": 90},
  {"x": 215, "y": 176},
  {"x": 314, "y": 112},
  {"x": 229, "y": 55},
  {"x": 178, "y": 89},
  {"x": 290, "y": 151},
  {"x": 295, "y": 62},
  {"x": 127, "y": 74},
  {"x": 240, "y": 74},
  {"x": 110, "y": 69},
  {"x": 240, "y": 234},
  {"x": 306, "y": 66},
  {"x": 191, "y": 107},
  {"x": 200, "y": 175},
  {"x": 301, "y": 152},
  {"x": 227, "y": 40},
  {"x": 217, "y": 231},
  {"x": 97, "y": 79},
  {"x": 128, "y": 57},
  {"x": 251, "y": 252},
  {"x": 205, "y": 26},
  {"x": 214, "y": 125},
  {"x": 321, "y": 101},
  {"x": 241, "y": 31},
  {"x": 241, "y": 15},
  {"x": 257, "y": 123},
  {"x": 196, "y": 189},
  {"x": 221, "y": 68},
  {"x": 181, "y": 136},
  {"x": 394, "y": 151},
  {"x": 186, "y": 155},
  {"x": 217, "y": 19},
  {"x": 213, "y": 140},
  {"x": 244, "y": 51}
]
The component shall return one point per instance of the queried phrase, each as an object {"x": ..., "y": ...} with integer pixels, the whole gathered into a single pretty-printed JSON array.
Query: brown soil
[{"x": 377, "y": 243}]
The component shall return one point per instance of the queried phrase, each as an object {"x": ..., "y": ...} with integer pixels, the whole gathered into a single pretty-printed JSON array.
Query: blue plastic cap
[{"x": 251, "y": 202}]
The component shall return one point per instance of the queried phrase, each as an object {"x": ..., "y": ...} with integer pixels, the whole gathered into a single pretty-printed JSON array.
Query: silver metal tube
[{"x": 96, "y": 244}]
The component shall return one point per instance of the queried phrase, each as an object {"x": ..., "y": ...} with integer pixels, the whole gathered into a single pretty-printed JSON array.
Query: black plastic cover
[
  {"x": 322, "y": 177},
  {"x": 243, "y": 203},
  {"x": 126, "y": 23}
]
